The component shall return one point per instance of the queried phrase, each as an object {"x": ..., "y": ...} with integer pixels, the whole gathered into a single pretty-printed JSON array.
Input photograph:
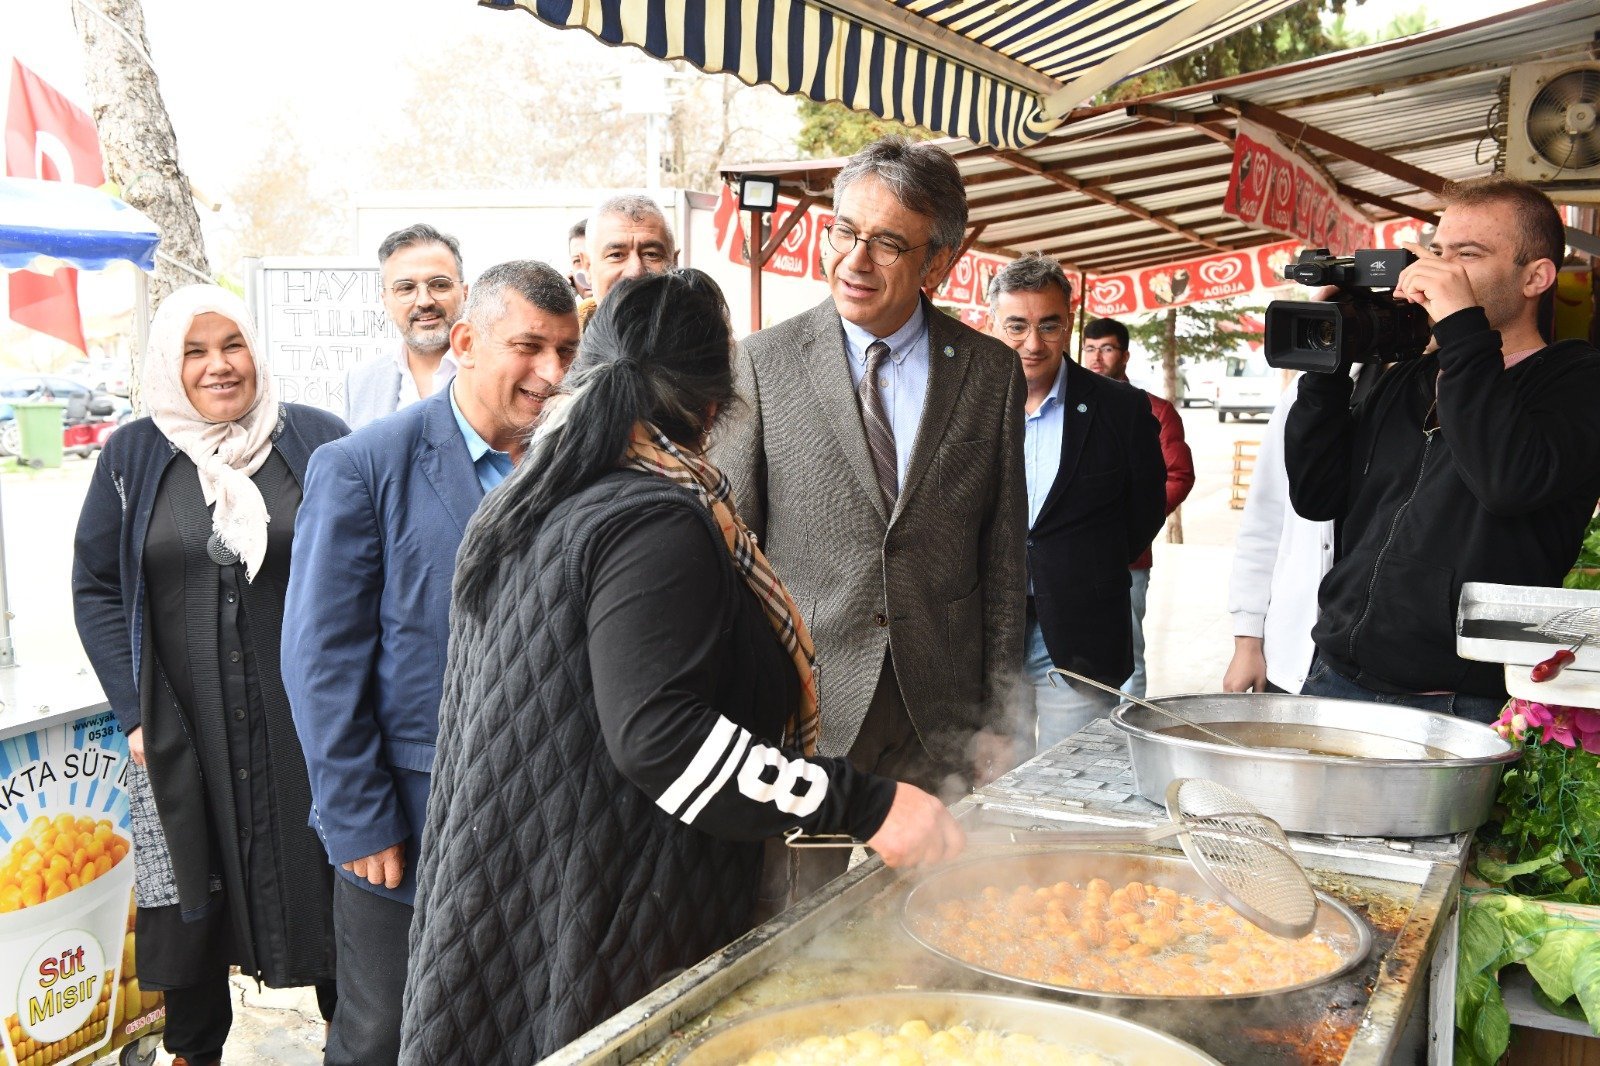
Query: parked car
[
  {"x": 83, "y": 404},
  {"x": 101, "y": 375},
  {"x": 1248, "y": 386},
  {"x": 1197, "y": 383}
]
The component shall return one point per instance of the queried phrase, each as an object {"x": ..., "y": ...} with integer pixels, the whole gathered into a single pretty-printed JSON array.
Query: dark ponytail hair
[{"x": 659, "y": 349}]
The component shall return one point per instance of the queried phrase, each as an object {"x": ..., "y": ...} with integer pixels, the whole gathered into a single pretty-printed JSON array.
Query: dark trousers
[
  {"x": 188, "y": 962},
  {"x": 372, "y": 936},
  {"x": 1324, "y": 680},
  {"x": 888, "y": 745}
]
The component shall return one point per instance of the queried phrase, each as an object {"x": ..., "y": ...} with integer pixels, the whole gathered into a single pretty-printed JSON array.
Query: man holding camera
[{"x": 1478, "y": 460}]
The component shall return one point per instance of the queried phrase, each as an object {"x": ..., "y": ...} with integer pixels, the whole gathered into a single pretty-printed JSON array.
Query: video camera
[{"x": 1364, "y": 323}]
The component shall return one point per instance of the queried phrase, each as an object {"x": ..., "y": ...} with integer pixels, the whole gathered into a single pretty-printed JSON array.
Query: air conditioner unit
[{"x": 1553, "y": 128}]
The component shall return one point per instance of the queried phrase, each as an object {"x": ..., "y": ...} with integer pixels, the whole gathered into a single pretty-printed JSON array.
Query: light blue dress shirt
[
  {"x": 492, "y": 467},
  {"x": 907, "y": 374},
  {"x": 1042, "y": 431}
]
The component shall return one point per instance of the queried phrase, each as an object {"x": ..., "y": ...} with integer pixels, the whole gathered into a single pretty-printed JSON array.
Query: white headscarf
[{"x": 226, "y": 453}]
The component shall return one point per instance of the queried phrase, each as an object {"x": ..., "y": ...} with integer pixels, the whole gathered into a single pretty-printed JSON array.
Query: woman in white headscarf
[{"x": 180, "y": 567}]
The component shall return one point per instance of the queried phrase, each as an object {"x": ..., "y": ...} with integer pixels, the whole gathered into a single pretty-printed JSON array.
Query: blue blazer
[{"x": 367, "y": 624}]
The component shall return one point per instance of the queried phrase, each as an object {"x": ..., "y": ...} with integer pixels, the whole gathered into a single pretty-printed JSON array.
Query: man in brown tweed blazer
[{"x": 879, "y": 460}]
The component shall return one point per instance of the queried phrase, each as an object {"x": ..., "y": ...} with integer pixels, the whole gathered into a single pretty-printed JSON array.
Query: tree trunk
[
  {"x": 140, "y": 148},
  {"x": 1169, "y": 383}
]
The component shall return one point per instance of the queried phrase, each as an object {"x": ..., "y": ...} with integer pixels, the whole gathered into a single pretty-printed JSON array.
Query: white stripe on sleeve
[
  {"x": 700, "y": 767},
  {"x": 721, "y": 779}
]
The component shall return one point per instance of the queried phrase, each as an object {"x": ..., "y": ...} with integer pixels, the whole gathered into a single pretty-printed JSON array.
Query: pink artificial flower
[
  {"x": 1537, "y": 715},
  {"x": 1587, "y": 723},
  {"x": 1559, "y": 729}
]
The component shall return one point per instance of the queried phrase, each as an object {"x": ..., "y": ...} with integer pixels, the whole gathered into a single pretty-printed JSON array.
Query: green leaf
[
  {"x": 1570, "y": 1009},
  {"x": 1586, "y": 982},
  {"x": 1588, "y": 578},
  {"x": 1501, "y": 872},
  {"x": 1482, "y": 935},
  {"x": 1482, "y": 1024},
  {"x": 1552, "y": 964}
]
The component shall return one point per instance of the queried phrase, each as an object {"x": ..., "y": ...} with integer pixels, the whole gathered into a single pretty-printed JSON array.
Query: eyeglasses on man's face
[
  {"x": 406, "y": 291},
  {"x": 884, "y": 251},
  {"x": 1101, "y": 349},
  {"x": 1016, "y": 329}
]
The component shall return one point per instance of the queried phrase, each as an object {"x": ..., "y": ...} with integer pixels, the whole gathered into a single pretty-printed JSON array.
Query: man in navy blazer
[
  {"x": 1096, "y": 497},
  {"x": 367, "y": 620}
]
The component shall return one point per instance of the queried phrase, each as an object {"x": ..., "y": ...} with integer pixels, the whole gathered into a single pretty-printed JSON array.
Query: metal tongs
[{"x": 1240, "y": 853}]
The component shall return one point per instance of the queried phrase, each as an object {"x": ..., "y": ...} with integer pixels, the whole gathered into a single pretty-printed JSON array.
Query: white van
[{"x": 1248, "y": 386}]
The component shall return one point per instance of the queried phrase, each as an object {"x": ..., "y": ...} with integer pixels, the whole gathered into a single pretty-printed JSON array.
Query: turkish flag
[{"x": 48, "y": 137}]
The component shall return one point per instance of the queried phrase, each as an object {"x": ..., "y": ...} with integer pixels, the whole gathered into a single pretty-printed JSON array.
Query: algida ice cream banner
[{"x": 69, "y": 989}]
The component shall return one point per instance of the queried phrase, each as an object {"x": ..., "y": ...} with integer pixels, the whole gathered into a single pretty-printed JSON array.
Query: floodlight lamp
[{"x": 757, "y": 194}]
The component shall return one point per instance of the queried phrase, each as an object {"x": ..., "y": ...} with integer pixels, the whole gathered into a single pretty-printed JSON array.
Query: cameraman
[{"x": 1479, "y": 461}]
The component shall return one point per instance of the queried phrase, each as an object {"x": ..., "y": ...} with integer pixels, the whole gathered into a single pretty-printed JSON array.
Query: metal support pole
[
  {"x": 757, "y": 259},
  {"x": 8, "y": 651}
]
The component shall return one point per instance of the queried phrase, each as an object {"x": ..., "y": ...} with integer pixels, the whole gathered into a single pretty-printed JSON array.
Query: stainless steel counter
[
  {"x": 848, "y": 939},
  {"x": 32, "y": 697}
]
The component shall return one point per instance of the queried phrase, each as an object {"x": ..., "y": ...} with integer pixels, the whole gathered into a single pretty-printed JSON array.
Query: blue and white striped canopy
[{"x": 997, "y": 72}]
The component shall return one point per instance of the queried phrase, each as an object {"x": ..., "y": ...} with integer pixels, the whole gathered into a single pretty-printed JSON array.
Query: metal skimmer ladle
[
  {"x": 1146, "y": 704},
  {"x": 1240, "y": 853}
]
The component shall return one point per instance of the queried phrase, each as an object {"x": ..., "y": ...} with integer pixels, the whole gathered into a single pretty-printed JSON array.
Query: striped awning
[{"x": 997, "y": 72}]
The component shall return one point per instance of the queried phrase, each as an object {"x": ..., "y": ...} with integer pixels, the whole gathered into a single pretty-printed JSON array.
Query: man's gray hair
[
  {"x": 638, "y": 208},
  {"x": 539, "y": 283},
  {"x": 1031, "y": 273},
  {"x": 922, "y": 178},
  {"x": 420, "y": 233}
]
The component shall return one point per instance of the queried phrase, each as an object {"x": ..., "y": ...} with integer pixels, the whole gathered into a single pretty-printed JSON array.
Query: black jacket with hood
[{"x": 1500, "y": 490}]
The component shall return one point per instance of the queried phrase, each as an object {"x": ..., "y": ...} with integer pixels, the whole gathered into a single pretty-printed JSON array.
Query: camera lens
[{"x": 1318, "y": 335}]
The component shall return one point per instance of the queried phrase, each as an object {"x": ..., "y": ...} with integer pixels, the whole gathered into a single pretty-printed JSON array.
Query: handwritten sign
[{"x": 319, "y": 319}]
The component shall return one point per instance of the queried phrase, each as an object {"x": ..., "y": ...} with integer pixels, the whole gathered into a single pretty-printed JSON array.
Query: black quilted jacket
[{"x": 602, "y": 723}]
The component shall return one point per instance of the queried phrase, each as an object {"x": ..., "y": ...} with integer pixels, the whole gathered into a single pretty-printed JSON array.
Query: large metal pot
[
  {"x": 1337, "y": 925},
  {"x": 1401, "y": 772},
  {"x": 1125, "y": 1041}
]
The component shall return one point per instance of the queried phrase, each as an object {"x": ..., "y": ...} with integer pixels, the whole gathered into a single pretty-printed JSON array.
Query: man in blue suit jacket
[{"x": 367, "y": 620}]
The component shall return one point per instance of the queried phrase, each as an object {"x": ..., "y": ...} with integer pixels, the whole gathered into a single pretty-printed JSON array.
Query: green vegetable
[
  {"x": 1586, "y": 571},
  {"x": 1553, "y": 963},
  {"x": 1545, "y": 841},
  {"x": 1561, "y": 951},
  {"x": 1586, "y": 982}
]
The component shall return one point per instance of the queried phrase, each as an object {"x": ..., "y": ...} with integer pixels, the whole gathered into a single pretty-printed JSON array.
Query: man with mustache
[
  {"x": 369, "y": 607},
  {"x": 628, "y": 237},
  {"x": 423, "y": 292}
]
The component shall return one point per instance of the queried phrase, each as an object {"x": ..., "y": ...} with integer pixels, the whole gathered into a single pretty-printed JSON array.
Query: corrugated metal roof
[{"x": 1106, "y": 191}]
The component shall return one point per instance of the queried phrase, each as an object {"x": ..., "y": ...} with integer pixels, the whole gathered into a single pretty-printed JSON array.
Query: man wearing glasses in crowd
[
  {"x": 1095, "y": 476},
  {"x": 1105, "y": 351},
  {"x": 423, "y": 292},
  {"x": 878, "y": 456}
]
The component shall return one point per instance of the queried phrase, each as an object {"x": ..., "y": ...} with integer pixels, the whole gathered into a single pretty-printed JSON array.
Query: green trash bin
[{"x": 39, "y": 428}]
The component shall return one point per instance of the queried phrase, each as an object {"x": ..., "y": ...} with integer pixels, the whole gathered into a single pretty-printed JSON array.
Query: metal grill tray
[
  {"x": 1495, "y": 626},
  {"x": 1490, "y": 626}
]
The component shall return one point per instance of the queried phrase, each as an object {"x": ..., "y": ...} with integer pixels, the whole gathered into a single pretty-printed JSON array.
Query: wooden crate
[{"x": 1244, "y": 465}]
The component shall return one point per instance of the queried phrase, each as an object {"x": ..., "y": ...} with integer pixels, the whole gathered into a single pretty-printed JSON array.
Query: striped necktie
[{"x": 880, "y": 437}]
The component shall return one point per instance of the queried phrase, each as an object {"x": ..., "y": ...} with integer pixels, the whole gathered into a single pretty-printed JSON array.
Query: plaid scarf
[{"x": 652, "y": 452}]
